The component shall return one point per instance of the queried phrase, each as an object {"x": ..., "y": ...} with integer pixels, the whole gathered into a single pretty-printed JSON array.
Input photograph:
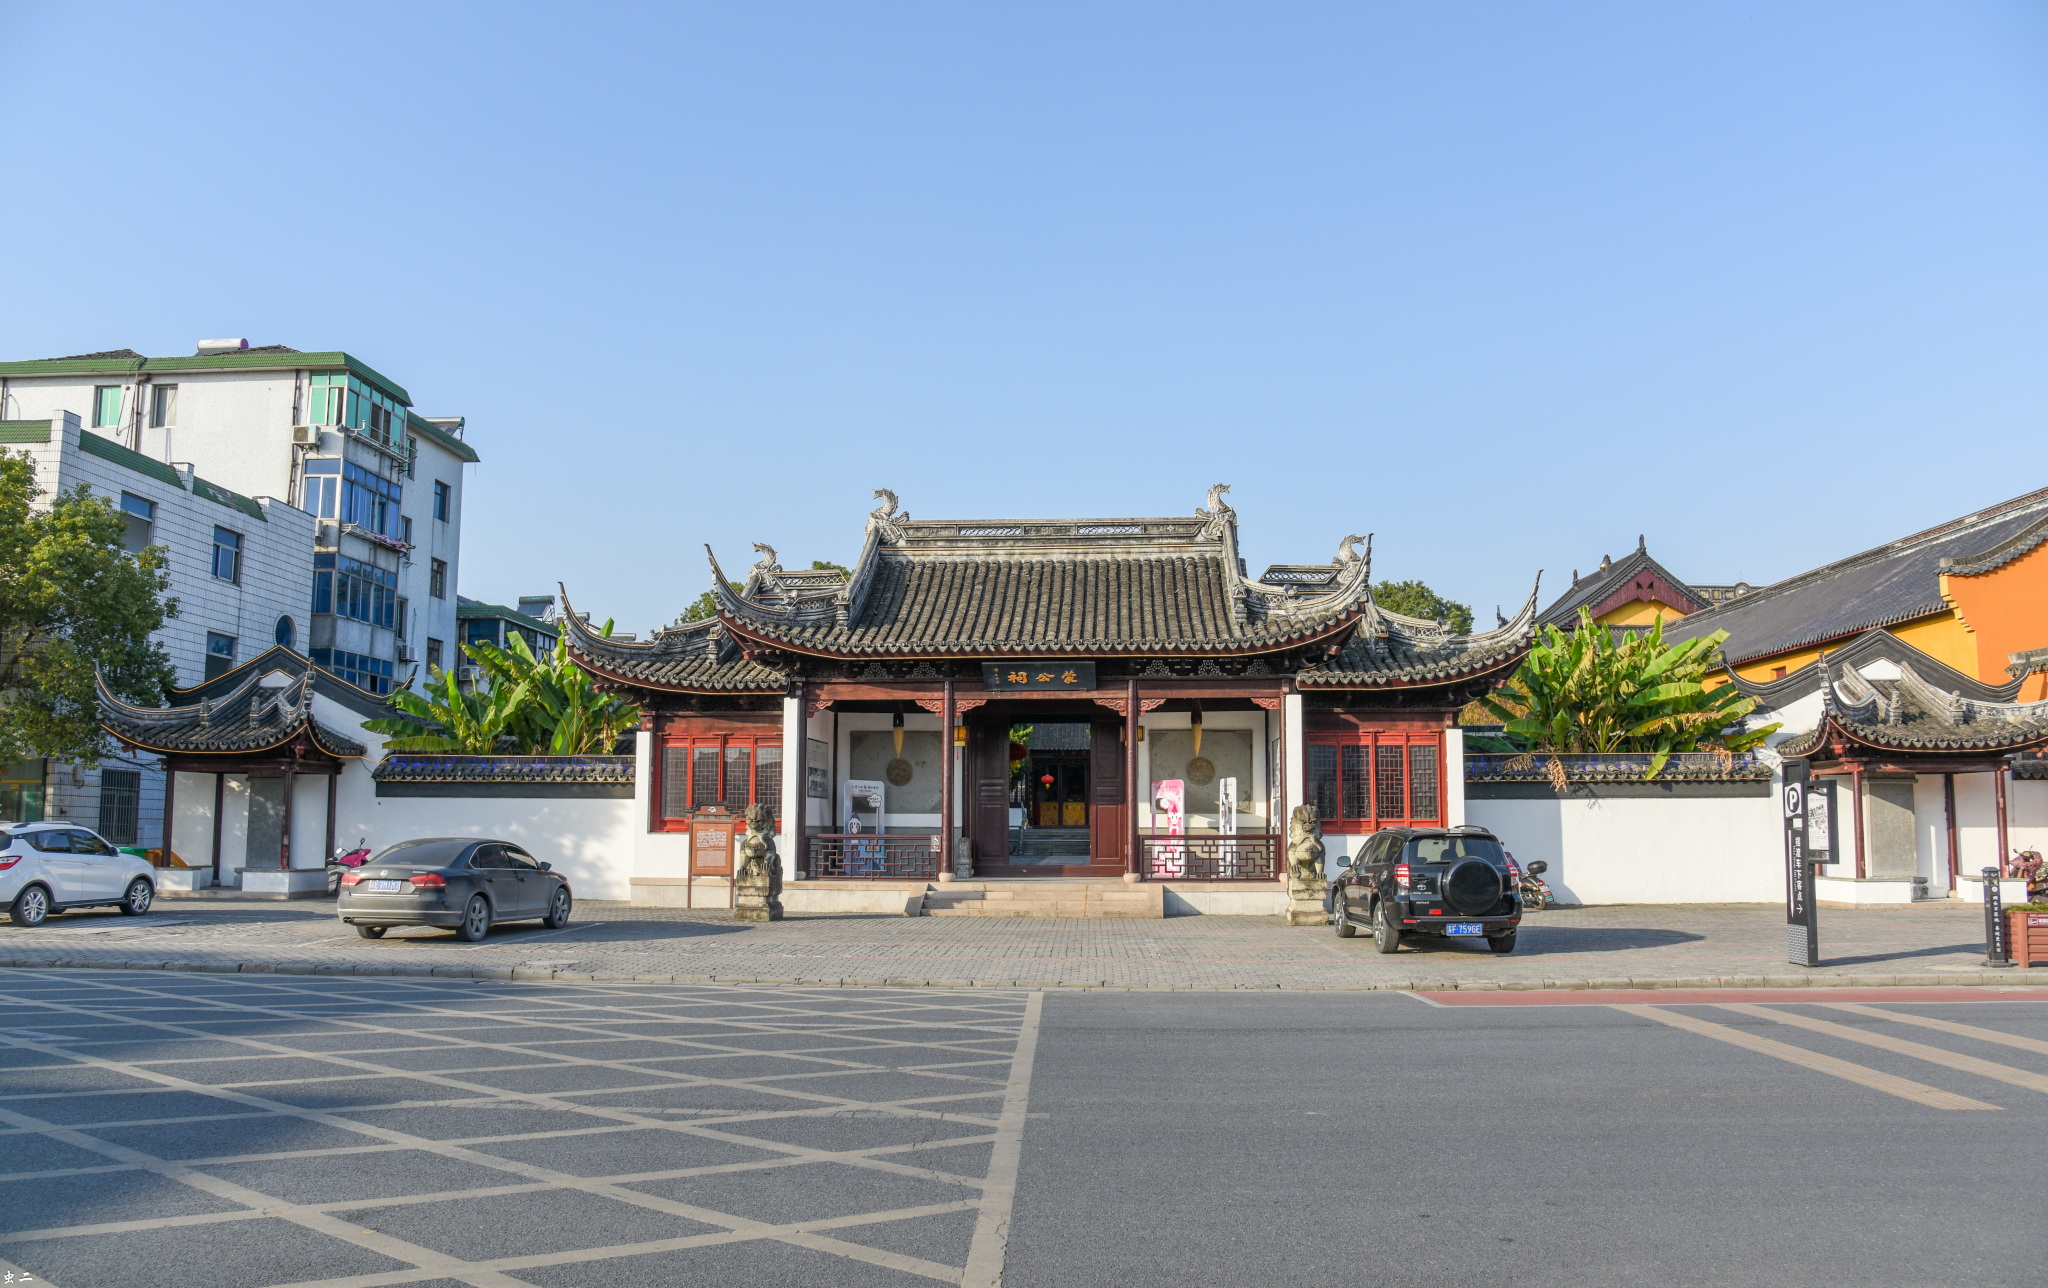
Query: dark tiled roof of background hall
[
  {"x": 1882, "y": 587},
  {"x": 693, "y": 656},
  {"x": 1162, "y": 603},
  {"x": 1592, "y": 589}
]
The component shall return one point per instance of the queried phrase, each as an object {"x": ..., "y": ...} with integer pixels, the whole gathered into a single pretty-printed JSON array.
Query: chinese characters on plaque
[{"x": 1011, "y": 677}]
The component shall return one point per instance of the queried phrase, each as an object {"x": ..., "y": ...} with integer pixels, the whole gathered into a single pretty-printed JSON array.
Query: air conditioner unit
[
  {"x": 405, "y": 653},
  {"x": 305, "y": 435},
  {"x": 465, "y": 675}
]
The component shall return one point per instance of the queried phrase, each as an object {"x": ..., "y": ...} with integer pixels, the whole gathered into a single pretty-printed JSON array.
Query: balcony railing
[
  {"x": 1212, "y": 858},
  {"x": 872, "y": 856}
]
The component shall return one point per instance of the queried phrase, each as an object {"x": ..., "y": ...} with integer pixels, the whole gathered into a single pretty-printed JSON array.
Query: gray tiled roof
[
  {"x": 1157, "y": 588},
  {"x": 249, "y": 718},
  {"x": 1391, "y": 650},
  {"x": 1874, "y": 645},
  {"x": 690, "y": 656},
  {"x": 1891, "y": 584},
  {"x": 1910, "y": 714}
]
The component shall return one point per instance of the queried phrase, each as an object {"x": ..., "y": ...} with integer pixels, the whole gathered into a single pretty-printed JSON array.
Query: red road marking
[{"x": 1700, "y": 996}]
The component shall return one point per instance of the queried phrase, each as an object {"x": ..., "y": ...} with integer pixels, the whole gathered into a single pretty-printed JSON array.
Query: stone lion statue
[
  {"x": 1305, "y": 847},
  {"x": 758, "y": 879}
]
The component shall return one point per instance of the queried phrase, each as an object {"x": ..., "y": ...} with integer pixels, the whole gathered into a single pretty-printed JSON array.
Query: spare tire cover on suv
[{"x": 1472, "y": 887}]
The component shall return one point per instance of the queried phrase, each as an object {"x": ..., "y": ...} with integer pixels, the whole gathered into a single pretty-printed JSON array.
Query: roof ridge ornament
[
  {"x": 885, "y": 519},
  {"x": 1347, "y": 556},
  {"x": 765, "y": 569},
  {"x": 1216, "y": 515}
]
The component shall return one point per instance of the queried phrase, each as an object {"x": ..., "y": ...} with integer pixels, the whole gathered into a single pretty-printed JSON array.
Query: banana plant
[
  {"x": 563, "y": 712},
  {"x": 444, "y": 718},
  {"x": 1588, "y": 692}
]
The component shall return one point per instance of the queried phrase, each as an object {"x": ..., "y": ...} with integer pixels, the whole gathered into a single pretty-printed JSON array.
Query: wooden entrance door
[
  {"x": 988, "y": 790},
  {"x": 1062, "y": 801},
  {"x": 1109, "y": 813}
]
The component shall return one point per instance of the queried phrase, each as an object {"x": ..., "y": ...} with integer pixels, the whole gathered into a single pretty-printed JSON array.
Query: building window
[
  {"x": 437, "y": 579},
  {"x": 371, "y": 674},
  {"x": 339, "y": 399},
  {"x": 322, "y": 489},
  {"x": 369, "y": 500},
  {"x": 400, "y": 626},
  {"x": 21, "y": 792},
  {"x": 442, "y": 498},
  {"x": 433, "y": 653},
  {"x": 405, "y": 528},
  {"x": 163, "y": 406},
  {"x": 1364, "y": 780},
  {"x": 220, "y": 655},
  {"x": 285, "y": 633},
  {"x": 227, "y": 554},
  {"x": 141, "y": 517},
  {"x": 106, "y": 406},
  {"x": 482, "y": 631},
  {"x": 733, "y": 771},
  {"x": 351, "y": 588},
  {"x": 120, "y": 804}
]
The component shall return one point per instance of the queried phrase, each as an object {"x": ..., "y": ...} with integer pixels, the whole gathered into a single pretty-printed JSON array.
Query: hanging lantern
[
  {"x": 1046, "y": 779},
  {"x": 896, "y": 725},
  {"x": 1195, "y": 724}
]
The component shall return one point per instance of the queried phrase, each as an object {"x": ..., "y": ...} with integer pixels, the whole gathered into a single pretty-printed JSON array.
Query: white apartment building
[
  {"x": 378, "y": 489},
  {"x": 239, "y": 567}
]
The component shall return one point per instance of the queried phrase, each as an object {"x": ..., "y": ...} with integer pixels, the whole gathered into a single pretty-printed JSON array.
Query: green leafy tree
[
  {"x": 563, "y": 712},
  {"x": 72, "y": 601},
  {"x": 1414, "y": 599},
  {"x": 441, "y": 717},
  {"x": 1589, "y": 692},
  {"x": 822, "y": 564},
  {"x": 706, "y": 605}
]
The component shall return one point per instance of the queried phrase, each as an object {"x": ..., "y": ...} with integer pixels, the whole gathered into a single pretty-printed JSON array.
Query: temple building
[
  {"x": 976, "y": 697},
  {"x": 1633, "y": 592}
]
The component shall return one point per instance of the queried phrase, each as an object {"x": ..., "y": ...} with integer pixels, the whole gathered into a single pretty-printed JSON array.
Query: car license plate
[
  {"x": 1463, "y": 928},
  {"x": 385, "y": 887}
]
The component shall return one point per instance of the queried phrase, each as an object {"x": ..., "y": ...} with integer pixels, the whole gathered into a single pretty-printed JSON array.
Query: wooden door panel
[
  {"x": 1107, "y": 816},
  {"x": 988, "y": 775}
]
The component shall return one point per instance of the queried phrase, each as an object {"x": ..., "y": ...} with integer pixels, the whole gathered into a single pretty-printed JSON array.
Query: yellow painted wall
[
  {"x": 1640, "y": 612},
  {"x": 1939, "y": 635}
]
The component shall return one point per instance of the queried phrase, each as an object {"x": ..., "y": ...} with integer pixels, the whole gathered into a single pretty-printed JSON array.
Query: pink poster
[{"x": 1169, "y": 798}]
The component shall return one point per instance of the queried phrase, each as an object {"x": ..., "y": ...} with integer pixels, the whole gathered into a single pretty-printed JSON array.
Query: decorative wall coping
[
  {"x": 1613, "y": 767},
  {"x": 441, "y": 767}
]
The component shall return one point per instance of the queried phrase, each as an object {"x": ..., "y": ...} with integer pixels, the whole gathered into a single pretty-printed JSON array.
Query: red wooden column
[
  {"x": 1856, "y": 783},
  {"x": 1948, "y": 805},
  {"x": 284, "y": 841},
  {"x": 1132, "y": 860},
  {"x": 220, "y": 803},
  {"x": 170, "y": 814},
  {"x": 1998, "y": 797},
  {"x": 333, "y": 790},
  {"x": 946, "y": 825}
]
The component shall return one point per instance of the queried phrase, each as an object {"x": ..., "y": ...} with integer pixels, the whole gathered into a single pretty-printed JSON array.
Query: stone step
[
  {"x": 1085, "y": 913},
  {"x": 1045, "y": 899}
]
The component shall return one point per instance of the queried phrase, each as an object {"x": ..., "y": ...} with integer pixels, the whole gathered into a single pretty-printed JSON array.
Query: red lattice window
[
  {"x": 729, "y": 770},
  {"x": 1364, "y": 780}
]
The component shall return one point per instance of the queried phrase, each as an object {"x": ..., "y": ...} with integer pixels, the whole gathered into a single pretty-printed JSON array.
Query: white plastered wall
[
  {"x": 1645, "y": 849},
  {"x": 656, "y": 855},
  {"x": 192, "y": 821}
]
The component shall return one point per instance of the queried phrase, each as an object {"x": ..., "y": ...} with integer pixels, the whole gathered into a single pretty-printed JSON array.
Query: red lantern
[{"x": 1047, "y": 780}]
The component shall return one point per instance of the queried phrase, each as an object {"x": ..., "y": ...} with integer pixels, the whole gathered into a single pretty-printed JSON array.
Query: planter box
[
  {"x": 2026, "y": 937},
  {"x": 285, "y": 883}
]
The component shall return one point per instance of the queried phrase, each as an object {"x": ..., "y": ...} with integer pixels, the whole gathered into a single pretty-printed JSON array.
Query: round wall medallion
[
  {"x": 1201, "y": 771},
  {"x": 898, "y": 772}
]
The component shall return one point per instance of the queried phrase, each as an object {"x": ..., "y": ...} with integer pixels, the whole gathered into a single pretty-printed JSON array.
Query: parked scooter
[
  {"x": 2028, "y": 865},
  {"x": 1536, "y": 895},
  {"x": 345, "y": 861}
]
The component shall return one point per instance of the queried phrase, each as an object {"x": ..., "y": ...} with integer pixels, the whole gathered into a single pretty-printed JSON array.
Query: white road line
[
  {"x": 1905, "y": 1088},
  {"x": 1899, "y": 1046},
  {"x": 1944, "y": 1026},
  {"x": 999, "y": 1193}
]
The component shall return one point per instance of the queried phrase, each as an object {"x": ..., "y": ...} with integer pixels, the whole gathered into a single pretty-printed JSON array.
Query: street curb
[{"x": 1978, "y": 978}]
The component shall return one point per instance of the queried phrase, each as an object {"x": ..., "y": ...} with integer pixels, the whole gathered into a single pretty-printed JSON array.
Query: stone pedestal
[
  {"x": 755, "y": 901},
  {"x": 1305, "y": 905}
]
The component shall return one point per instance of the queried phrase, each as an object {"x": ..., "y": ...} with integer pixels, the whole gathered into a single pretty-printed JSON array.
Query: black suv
[{"x": 1451, "y": 883}]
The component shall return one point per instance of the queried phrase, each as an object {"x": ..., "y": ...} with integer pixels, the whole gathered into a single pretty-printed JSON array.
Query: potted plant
[{"x": 2026, "y": 932}]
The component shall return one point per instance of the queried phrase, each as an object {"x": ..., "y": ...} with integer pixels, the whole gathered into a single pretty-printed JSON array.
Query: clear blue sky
[{"x": 1506, "y": 284}]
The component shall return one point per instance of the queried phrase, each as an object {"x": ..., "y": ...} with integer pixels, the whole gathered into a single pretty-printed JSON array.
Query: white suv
[{"x": 49, "y": 867}]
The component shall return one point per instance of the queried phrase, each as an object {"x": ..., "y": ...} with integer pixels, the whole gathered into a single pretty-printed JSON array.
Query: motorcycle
[
  {"x": 346, "y": 861},
  {"x": 1536, "y": 895},
  {"x": 2028, "y": 864}
]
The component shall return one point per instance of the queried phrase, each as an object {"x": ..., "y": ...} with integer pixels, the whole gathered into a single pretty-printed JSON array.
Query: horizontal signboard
[{"x": 1015, "y": 677}]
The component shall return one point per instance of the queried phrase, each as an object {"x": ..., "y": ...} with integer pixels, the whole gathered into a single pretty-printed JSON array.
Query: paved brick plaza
[{"x": 1573, "y": 947}]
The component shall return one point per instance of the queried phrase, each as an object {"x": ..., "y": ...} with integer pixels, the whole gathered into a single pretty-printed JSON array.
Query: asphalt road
[{"x": 170, "y": 1129}]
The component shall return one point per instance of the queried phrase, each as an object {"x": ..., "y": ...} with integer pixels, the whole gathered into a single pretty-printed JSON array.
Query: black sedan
[{"x": 456, "y": 882}]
